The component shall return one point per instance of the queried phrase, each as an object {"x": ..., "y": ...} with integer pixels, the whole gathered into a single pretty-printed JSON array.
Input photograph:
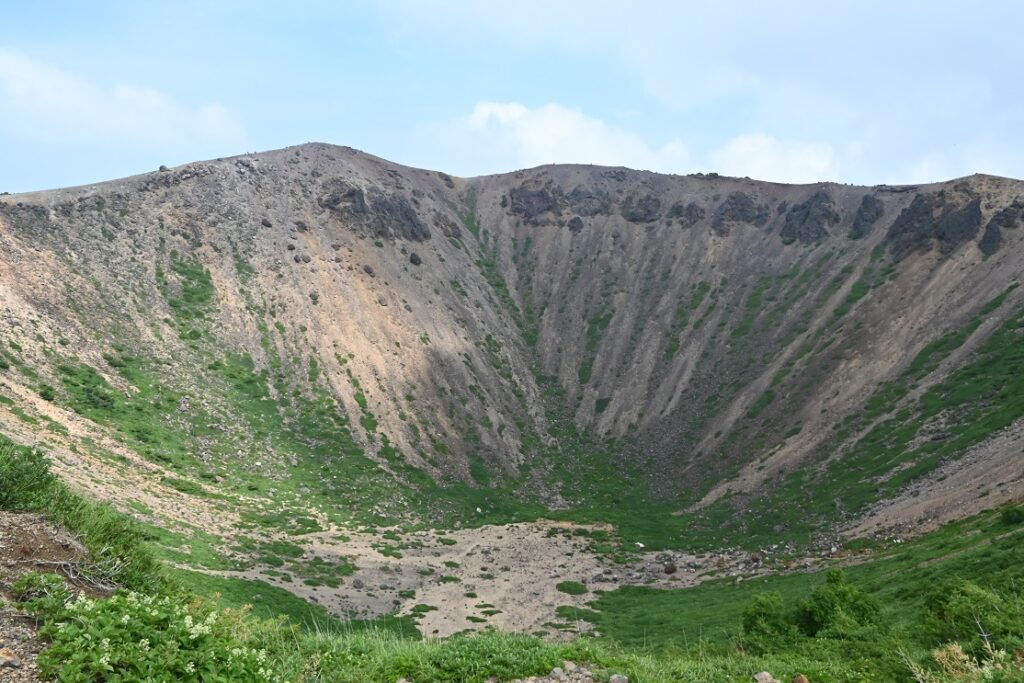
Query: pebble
[{"x": 9, "y": 660}]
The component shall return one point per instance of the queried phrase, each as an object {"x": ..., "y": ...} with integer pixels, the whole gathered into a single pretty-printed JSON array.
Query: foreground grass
[{"x": 155, "y": 628}]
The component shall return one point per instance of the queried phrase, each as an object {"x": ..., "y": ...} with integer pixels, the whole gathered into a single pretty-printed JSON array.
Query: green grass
[
  {"x": 571, "y": 587},
  {"x": 984, "y": 549},
  {"x": 270, "y": 602},
  {"x": 982, "y": 396},
  {"x": 115, "y": 543}
]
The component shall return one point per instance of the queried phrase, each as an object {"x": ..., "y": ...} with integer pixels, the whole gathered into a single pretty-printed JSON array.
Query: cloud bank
[{"x": 46, "y": 103}]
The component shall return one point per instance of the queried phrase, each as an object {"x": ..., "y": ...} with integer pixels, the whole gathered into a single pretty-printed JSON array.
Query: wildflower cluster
[{"x": 154, "y": 638}]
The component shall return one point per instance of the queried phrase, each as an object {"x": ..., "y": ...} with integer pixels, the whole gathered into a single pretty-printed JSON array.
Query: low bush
[
  {"x": 571, "y": 587},
  {"x": 970, "y": 614},
  {"x": 837, "y": 609},
  {"x": 768, "y": 623},
  {"x": 1012, "y": 516}
]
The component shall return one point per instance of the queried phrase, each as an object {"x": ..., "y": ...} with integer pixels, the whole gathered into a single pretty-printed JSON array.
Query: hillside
[{"x": 293, "y": 365}]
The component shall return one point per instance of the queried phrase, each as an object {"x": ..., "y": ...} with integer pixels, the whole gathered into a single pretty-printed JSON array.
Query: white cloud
[
  {"x": 764, "y": 157},
  {"x": 498, "y": 137},
  {"x": 933, "y": 81},
  {"x": 48, "y": 103}
]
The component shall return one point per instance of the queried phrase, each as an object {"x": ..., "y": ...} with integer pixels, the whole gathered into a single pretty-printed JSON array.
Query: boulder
[
  {"x": 645, "y": 209},
  {"x": 688, "y": 215},
  {"x": 808, "y": 222},
  {"x": 868, "y": 213},
  {"x": 738, "y": 207}
]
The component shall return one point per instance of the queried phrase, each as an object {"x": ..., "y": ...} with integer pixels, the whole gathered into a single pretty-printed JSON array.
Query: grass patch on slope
[{"x": 907, "y": 579}]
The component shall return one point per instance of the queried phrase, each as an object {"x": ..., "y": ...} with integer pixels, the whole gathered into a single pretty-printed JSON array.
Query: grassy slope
[{"x": 986, "y": 549}]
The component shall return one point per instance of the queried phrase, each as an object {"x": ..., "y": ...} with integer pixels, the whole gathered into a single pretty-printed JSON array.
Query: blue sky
[{"x": 864, "y": 92}]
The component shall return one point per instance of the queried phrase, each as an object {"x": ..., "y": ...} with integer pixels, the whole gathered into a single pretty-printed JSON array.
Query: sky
[{"x": 858, "y": 92}]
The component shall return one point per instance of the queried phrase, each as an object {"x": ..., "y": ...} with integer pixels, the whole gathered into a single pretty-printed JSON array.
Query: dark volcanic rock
[
  {"x": 587, "y": 202},
  {"x": 380, "y": 214},
  {"x": 913, "y": 229},
  {"x": 808, "y": 222},
  {"x": 447, "y": 226},
  {"x": 738, "y": 207},
  {"x": 991, "y": 239},
  {"x": 1006, "y": 218},
  {"x": 646, "y": 209},
  {"x": 343, "y": 198},
  {"x": 394, "y": 214},
  {"x": 532, "y": 204},
  {"x": 688, "y": 215},
  {"x": 1009, "y": 216},
  {"x": 870, "y": 210},
  {"x": 933, "y": 218},
  {"x": 958, "y": 225}
]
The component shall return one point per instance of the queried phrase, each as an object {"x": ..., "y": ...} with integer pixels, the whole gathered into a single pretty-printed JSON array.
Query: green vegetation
[
  {"x": 117, "y": 553},
  {"x": 571, "y": 587},
  {"x": 911, "y": 598},
  {"x": 984, "y": 395}
]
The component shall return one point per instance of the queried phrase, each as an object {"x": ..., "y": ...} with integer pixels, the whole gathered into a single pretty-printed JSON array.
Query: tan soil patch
[{"x": 512, "y": 568}]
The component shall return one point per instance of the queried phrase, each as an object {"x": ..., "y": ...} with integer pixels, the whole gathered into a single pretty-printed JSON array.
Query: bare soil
[{"x": 29, "y": 543}]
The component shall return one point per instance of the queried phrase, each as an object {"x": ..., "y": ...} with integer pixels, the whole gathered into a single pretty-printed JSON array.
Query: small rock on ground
[{"x": 569, "y": 672}]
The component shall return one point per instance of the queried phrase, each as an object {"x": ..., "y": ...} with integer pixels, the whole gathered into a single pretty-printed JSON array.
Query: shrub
[
  {"x": 571, "y": 587},
  {"x": 767, "y": 623},
  {"x": 1012, "y": 516},
  {"x": 837, "y": 609},
  {"x": 25, "y": 478},
  {"x": 117, "y": 552},
  {"x": 134, "y": 637},
  {"x": 45, "y": 595},
  {"x": 962, "y": 610}
]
